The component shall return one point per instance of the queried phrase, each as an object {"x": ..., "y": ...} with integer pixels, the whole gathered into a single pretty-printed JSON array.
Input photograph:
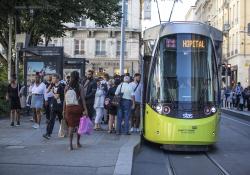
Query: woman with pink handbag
[{"x": 74, "y": 106}]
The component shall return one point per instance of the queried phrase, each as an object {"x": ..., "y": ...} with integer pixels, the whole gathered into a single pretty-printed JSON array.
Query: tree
[{"x": 47, "y": 17}]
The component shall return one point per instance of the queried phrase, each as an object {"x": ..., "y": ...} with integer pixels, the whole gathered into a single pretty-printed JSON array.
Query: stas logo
[{"x": 186, "y": 115}]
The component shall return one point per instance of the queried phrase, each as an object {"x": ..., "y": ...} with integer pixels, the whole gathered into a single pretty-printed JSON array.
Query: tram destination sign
[
  {"x": 185, "y": 43},
  {"x": 190, "y": 43}
]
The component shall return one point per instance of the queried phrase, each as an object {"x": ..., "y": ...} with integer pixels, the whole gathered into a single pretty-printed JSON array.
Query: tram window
[{"x": 182, "y": 74}]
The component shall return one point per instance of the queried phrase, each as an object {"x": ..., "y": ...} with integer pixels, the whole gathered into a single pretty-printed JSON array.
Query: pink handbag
[{"x": 85, "y": 126}]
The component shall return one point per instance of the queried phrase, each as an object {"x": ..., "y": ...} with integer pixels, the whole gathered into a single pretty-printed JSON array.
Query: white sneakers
[
  {"x": 35, "y": 126},
  {"x": 134, "y": 129}
]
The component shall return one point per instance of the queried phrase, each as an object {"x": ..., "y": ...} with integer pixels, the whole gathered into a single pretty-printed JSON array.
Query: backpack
[{"x": 70, "y": 97}]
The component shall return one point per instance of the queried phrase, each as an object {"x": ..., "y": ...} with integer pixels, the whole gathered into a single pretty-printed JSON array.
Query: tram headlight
[
  {"x": 166, "y": 110},
  {"x": 161, "y": 109},
  {"x": 207, "y": 110},
  {"x": 158, "y": 108},
  {"x": 213, "y": 109}
]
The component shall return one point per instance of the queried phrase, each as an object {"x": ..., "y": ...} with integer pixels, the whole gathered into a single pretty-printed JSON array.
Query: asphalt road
[{"x": 231, "y": 155}]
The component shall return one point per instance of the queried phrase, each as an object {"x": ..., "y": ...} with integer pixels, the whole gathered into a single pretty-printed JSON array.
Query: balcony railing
[
  {"x": 100, "y": 53},
  {"x": 79, "y": 52},
  {"x": 118, "y": 53}
]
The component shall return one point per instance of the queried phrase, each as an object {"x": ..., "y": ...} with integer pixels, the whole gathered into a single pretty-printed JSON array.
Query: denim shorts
[{"x": 37, "y": 101}]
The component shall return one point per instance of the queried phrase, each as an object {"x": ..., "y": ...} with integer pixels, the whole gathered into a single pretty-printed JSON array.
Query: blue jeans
[
  {"x": 124, "y": 111},
  {"x": 47, "y": 108}
]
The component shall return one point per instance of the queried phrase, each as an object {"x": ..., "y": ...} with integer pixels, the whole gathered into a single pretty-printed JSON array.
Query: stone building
[
  {"x": 233, "y": 18},
  {"x": 101, "y": 46}
]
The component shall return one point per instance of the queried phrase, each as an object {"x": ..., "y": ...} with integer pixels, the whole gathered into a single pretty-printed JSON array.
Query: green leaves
[{"x": 46, "y": 17}]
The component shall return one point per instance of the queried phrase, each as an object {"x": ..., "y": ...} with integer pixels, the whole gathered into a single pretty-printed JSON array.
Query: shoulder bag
[{"x": 117, "y": 98}]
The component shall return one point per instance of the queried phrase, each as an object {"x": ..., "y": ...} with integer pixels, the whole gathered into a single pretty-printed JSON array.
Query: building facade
[
  {"x": 233, "y": 18},
  {"x": 101, "y": 46}
]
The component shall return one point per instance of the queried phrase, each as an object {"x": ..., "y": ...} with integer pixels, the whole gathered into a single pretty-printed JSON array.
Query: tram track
[
  {"x": 175, "y": 166},
  {"x": 217, "y": 164}
]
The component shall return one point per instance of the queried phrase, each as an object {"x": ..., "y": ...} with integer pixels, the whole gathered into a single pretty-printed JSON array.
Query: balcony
[
  {"x": 79, "y": 52},
  {"x": 226, "y": 3},
  {"x": 100, "y": 53},
  {"x": 118, "y": 53}
]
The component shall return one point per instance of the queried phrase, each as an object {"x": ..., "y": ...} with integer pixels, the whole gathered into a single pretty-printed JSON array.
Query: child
[
  {"x": 99, "y": 104},
  {"x": 230, "y": 100}
]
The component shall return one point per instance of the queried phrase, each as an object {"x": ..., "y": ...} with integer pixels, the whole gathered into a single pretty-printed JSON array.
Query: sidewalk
[
  {"x": 245, "y": 115},
  {"x": 24, "y": 151}
]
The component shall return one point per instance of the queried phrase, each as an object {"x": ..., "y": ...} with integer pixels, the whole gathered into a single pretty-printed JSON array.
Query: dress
[
  {"x": 111, "y": 93},
  {"x": 14, "y": 98}
]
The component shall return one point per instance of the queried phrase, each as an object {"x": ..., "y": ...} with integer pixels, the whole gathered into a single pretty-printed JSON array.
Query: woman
[
  {"x": 99, "y": 103},
  {"x": 13, "y": 97},
  {"x": 28, "y": 100},
  {"x": 112, "y": 110},
  {"x": 38, "y": 96},
  {"x": 22, "y": 98},
  {"x": 74, "y": 111}
]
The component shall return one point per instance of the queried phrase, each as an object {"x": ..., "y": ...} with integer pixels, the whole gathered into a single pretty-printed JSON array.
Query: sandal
[{"x": 78, "y": 145}]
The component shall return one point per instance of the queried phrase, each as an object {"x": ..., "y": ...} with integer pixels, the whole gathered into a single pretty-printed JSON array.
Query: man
[
  {"x": 135, "y": 118},
  {"x": 67, "y": 79},
  {"x": 56, "y": 107},
  {"x": 90, "y": 87},
  {"x": 238, "y": 91},
  {"x": 126, "y": 104},
  {"x": 49, "y": 96}
]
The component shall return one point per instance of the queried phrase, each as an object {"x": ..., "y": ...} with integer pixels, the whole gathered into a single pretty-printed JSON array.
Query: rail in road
[
  {"x": 178, "y": 165},
  {"x": 229, "y": 157}
]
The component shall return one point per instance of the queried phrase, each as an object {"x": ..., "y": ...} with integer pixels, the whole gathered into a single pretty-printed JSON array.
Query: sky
[{"x": 165, "y": 6}]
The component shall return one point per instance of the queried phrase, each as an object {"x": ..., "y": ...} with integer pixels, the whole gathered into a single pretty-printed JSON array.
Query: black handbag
[{"x": 117, "y": 98}]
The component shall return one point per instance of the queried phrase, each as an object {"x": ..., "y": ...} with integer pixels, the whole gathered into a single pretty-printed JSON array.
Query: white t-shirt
[
  {"x": 137, "y": 91},
  {"x": 126, "y": 89},
  {"x": 40, "y": 89}
]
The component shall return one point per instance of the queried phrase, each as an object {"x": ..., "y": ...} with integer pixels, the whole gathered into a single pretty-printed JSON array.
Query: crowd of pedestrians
[
  {"x": 115, "y": 101},
  {"x": 236, "y": 98}
]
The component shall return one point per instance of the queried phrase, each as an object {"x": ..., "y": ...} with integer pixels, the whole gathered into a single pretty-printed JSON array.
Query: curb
[
  {"x": 124, "y": 163},
  {"x": 238, "y": 114}
]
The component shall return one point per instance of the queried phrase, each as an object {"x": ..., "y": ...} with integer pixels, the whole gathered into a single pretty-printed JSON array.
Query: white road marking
[{"x": 236, "y": 121}]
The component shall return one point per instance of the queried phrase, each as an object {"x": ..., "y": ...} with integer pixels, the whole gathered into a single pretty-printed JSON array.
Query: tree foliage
[{"x": 47, "y": 17}]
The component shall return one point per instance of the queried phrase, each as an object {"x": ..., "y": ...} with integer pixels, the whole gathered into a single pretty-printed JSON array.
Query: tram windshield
[{"x": 184, "y": 70}]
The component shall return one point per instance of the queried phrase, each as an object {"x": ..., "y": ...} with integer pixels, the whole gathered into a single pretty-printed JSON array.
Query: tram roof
[{"x": 182, "y": 27}]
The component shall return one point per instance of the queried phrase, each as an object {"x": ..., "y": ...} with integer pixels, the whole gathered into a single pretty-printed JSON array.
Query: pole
[
  {"x": 17, "y": 64},
  {"x": 10, "y": 47},
  {"x": 171, "y": 11},
  {"x": 158, "y": 11},
  {"x": 122, "y": 48},
  {"x": 226, "y": 75}
]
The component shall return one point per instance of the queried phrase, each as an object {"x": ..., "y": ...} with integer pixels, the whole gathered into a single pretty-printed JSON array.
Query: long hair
[{"x": 74, "y": 80}]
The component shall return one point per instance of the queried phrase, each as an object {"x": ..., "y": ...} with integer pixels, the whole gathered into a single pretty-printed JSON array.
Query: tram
[{"x": 181, "y": 71}]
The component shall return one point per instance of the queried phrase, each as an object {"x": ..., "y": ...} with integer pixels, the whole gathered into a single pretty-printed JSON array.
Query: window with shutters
[
  {"x": 100, "y": 47},
  {"x": 118, "y": 48},
  {"x": 81, "y": 22},
  {"x": 79, "y": 47}
]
